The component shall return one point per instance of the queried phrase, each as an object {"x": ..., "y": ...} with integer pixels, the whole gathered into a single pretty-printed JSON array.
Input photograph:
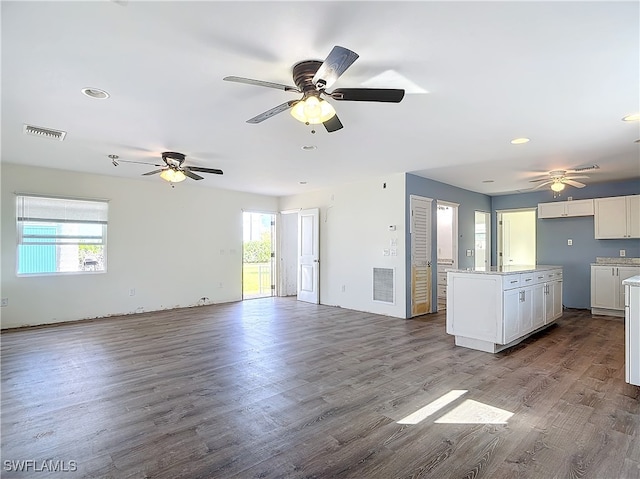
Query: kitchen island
[{"x": 491, "y": 310}]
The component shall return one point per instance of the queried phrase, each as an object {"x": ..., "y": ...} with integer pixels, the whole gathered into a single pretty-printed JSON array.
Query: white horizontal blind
[{"x": 61, "y": 210}]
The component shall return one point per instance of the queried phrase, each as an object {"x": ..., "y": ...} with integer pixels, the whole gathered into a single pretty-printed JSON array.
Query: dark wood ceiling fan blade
[
  {"x": 268, "y": 84},
  {"x": 274, "y": 111},
  {"x": 191, "y": 175},
  {"x": 389, "y": 95},
  {"x": 333, "y": 124},
  {"x": 334, "y": 65},
  {"x": 153, "y": 172},
  {"x": 215, "y": 171}
]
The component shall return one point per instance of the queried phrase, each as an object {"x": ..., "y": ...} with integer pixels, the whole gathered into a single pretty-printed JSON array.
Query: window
[{"x": 61, "y": 235}]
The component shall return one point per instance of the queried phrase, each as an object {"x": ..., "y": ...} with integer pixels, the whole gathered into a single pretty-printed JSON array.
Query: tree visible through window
[{"x": 60, "y": 235}]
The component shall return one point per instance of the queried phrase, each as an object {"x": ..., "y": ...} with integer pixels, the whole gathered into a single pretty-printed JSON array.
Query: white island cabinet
[
  {"x": 632, "y": 329},
  {"x": 493, "y": 310}
]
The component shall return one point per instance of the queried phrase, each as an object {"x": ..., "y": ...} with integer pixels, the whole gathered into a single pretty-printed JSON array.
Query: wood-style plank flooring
[{"x": 275, "y": 388}]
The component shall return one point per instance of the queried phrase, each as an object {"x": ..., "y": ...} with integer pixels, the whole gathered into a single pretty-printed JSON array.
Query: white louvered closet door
[{"x": 420, "y": 255}]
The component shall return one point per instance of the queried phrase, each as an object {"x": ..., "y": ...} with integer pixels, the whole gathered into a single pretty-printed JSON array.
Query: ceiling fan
[
  {"x": 312, "y": 78},
  {"x": 558, "y": 179},
  {"x": 173, "y": 169}
]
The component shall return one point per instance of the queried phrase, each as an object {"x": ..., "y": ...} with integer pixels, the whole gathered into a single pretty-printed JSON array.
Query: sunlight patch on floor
[
  {"x": 433, "y": 407},
  {"x": 474, "y": 412}
]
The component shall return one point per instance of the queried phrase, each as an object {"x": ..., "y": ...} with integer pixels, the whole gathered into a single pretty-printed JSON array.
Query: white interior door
[
  {"x": 308, "y": 255},
  {"x": 420, "y": 255}
]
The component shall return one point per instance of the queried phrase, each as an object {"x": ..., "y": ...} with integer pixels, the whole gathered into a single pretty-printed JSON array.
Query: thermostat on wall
[{"x": 392, "y": 227}]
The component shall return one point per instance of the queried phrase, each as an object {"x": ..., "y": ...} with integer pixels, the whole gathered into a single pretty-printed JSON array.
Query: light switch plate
[
  {"x": 623, "y": 253},
  {"x": 569, "y": 242}
]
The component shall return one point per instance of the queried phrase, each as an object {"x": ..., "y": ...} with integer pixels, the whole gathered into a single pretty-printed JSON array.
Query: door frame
[{"x": 500, "y": 246}]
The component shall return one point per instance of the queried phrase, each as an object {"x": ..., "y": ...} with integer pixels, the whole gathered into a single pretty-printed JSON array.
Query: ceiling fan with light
[
  {"x": 173, "y": 170},
  {"x": 312, "y": 78},
  {"x": 558, "y": 179}
]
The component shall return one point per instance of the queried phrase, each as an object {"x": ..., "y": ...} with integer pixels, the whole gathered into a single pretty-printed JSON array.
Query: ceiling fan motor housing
[
  {"x": 173, "y": 159},
  {"x": 303, "y": 73}
]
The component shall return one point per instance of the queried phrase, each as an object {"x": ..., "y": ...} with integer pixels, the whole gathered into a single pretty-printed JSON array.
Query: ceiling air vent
[
  {"x": 45, "y": 132},
  {"x": 586, "y": 168}
]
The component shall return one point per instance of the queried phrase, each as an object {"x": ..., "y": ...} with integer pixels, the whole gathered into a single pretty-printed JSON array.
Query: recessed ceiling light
[
  {"x": 487, "y": 181},
  {"x": 519, "y": 141},
  {"x": 309, "y": 147},
  {"x": 634, "y": 117},
  {"x": 95, "y": 93}
]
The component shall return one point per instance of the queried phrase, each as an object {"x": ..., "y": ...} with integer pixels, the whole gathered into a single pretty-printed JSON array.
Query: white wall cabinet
[
  {"x": 564, "y": 209},
  {"x": 607, "y": 292},
  {"x": 617, "y": 217},
  {"x": 491, "y": 312}
]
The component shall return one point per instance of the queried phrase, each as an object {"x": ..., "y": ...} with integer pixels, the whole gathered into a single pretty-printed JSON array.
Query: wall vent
[
  {"x": 45, "y": 132},
  {"x": 383, "y": 285}
]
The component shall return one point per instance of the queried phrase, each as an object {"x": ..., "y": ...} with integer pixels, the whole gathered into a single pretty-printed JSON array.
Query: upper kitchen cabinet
[
  {"x": 617, "y": 217},
  {"x": 564, "y": 209}
]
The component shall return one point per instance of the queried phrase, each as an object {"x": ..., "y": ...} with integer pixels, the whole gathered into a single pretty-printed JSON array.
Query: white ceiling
[{"x": 560, "y": 73}]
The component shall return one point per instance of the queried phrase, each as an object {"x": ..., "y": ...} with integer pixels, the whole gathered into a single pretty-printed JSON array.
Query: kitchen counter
[
  {"x": 508, "y": 269},
  {"x": 617, "y": 261},
  {"x": 633, "y": 281}
]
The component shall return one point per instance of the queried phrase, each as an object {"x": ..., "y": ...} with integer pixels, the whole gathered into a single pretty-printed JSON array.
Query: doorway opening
[
  {"x": 482, "y": 260},
  {"x": 516, "y": 237},
  {"x": 447, "y": 246},
  {"x": 258, "y": 255}
]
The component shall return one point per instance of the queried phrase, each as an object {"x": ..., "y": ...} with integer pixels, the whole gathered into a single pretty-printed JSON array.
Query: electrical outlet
[
  {"x": 132, "y": 291},
  {"x": 569, "y": 242},
  {"x": 5, "y": 302},
  {"x": 344, "y": 288},
  {"x": 623, "y": 253}
]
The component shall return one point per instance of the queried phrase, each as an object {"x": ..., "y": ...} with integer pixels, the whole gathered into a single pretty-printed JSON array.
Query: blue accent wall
[
  {"x": 469, "y": 202},
  {"x": 552, "y": 235}
]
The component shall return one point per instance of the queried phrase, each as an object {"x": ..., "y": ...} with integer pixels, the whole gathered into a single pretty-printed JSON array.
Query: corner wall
[
  {"x": 552, "y": 235},
  {"x": 354, "y": 232},
  {"x": 173, "y": 246},
  {"x": 469, "y": 202}
]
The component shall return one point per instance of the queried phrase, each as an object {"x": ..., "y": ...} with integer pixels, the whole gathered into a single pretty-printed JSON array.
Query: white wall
[
  {"x": 174, "y": 246},
  {"x": 354, "y": 221}
]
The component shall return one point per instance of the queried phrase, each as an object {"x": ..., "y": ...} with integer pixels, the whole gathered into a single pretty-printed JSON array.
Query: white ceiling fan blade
[
  {"x": 577, "y": 184},
  {"x": 543, "y": 184},
  {"x": 575, "y": 177}
]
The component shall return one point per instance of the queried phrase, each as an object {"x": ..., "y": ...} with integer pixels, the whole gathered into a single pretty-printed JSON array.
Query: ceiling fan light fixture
[
  {"x": 557, "y": 186},
  {"x": 520, "y": 141},
  {"x": 173, "y": 176},
  {"x": 312, "y": 110},
  {"x": 634, "y": 117}
]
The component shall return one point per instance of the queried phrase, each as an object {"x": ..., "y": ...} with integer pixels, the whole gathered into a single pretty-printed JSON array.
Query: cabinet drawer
[
  {"x": 442, "y": 278},
  {"x": 539, "y": 277},
  {"x": 442, "y": 291},
  {"x": 527, "y": 279},
  {"x": 511, "y": 281}
]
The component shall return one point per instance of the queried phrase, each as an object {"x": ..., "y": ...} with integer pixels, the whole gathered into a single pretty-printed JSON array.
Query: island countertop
[
  {"x": 504, "y": 270},
  {"x": 633, "y": 281}
]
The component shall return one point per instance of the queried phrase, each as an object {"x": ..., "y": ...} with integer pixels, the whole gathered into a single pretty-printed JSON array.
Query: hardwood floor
[{"x": 275, "y": 388}]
